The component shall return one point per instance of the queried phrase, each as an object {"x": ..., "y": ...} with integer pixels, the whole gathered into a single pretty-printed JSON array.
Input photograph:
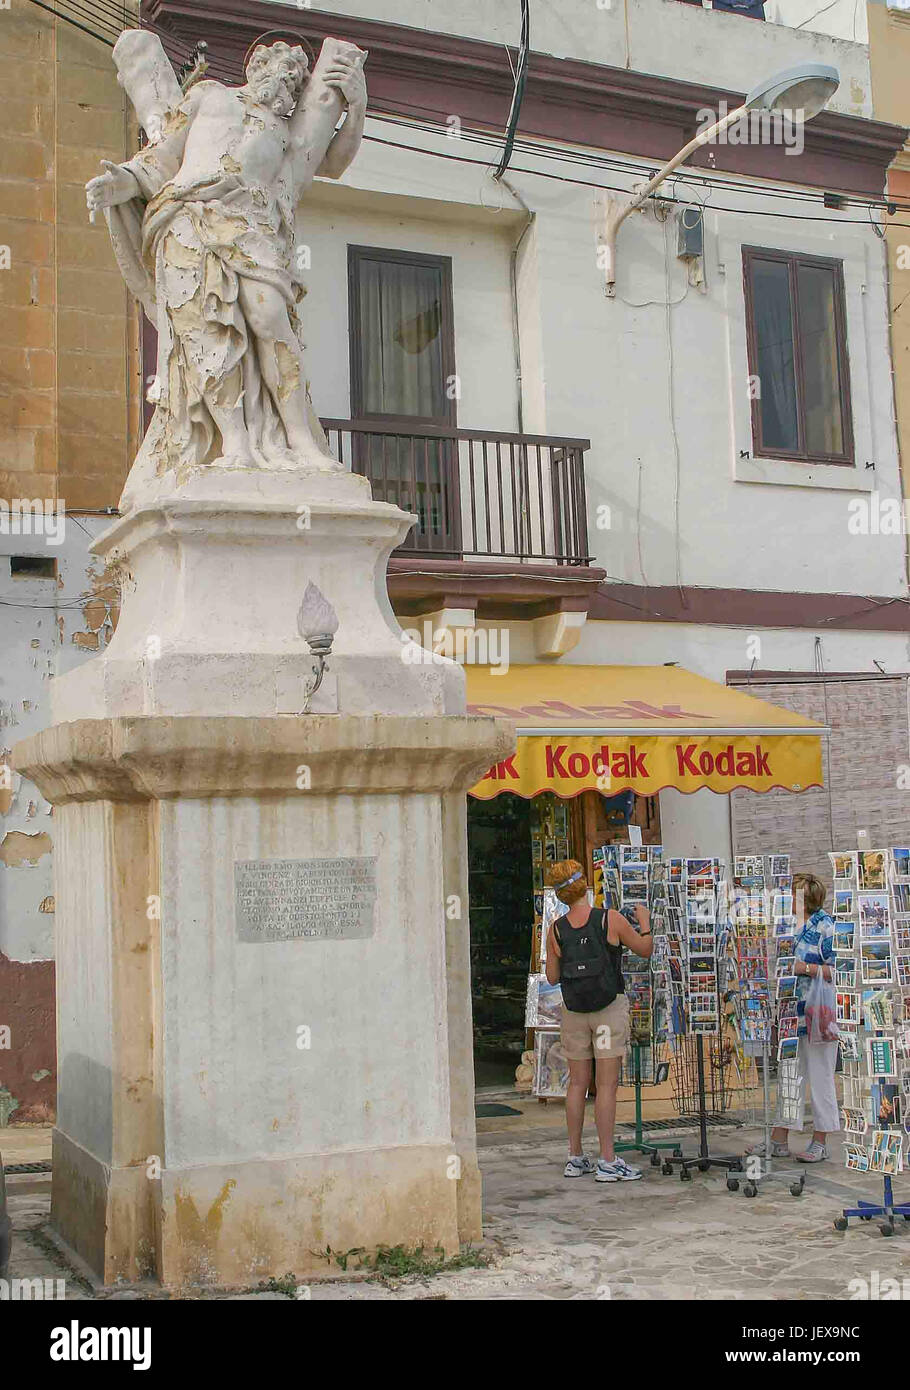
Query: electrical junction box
[{"x": 690, "y": 233}]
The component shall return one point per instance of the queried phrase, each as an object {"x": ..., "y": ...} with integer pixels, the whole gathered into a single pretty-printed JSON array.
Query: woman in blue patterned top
[{"x": 816, "y": 1062}]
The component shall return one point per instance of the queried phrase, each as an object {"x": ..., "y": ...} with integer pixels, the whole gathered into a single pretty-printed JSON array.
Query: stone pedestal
[{"x": 232, "y": 1103}]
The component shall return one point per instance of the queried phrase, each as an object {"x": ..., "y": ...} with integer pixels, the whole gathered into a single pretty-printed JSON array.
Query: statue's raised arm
[
  {"x": 202, "y": 224},
  {"x": 336, "y": 86},
  {"x": 145, "y": 74}
]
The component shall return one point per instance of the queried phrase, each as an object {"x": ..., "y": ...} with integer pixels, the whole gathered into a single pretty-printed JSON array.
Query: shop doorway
[{"x": 511, "y": 841}]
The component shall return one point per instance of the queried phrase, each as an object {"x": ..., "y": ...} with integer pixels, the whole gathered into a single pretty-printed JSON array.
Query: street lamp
[
  {"x": 317, "y": 623},
  {"x": 797, "y": 94}
]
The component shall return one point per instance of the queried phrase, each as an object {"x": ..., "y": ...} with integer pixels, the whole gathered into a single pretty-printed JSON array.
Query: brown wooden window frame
[
  {"x": 357, "y": 254},
  {"x": 793, "y": 260}
]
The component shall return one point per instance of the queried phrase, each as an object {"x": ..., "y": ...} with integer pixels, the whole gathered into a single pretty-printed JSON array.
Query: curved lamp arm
[{"x": 619, "y": 209}]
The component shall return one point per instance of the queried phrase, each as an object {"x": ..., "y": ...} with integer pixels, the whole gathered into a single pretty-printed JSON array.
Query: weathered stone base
[
  {"x": 237, "y": 1223},
  {"x": 201, "y": 1138},
  {"x": 108, "y": 1216}
]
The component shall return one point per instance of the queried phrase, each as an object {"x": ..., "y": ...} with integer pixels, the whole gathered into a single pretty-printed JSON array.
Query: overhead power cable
[{"x": 114, "y": 19}]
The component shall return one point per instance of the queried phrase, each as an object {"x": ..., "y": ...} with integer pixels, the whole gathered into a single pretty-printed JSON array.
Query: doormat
[{"x": 491, "y": 1109}]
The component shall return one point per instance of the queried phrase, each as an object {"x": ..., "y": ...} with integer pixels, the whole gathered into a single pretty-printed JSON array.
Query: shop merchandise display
[
  {"x": 759, "y": 956},
  {"x": 872, "y": 977},
  {"x": 872, "y": 946},
  {"x": 623, "y": 879}
]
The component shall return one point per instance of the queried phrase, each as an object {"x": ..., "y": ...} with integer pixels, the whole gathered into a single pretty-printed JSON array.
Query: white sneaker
[
  {"x": 617, "y": 1171},
  {"x": 815, "y": 1153},
  {"x": 578, "y": 1167}
]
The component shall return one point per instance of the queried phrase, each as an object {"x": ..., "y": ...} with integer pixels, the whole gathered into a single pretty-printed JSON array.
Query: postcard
[
  {"x": 886, "y": 1152},
  {"x": 880, "y": 1057},
  {"x": 844, "y": 942},
  {"x": 778, "y": 864},
  {"x": 856, "y": 1157},
  {"x": 843, "y": 902},
  {"x": 874, "y": 915},
  {"x": 900, "y": 858},
  {"x": 876, "y": 963},
  {"x": 543, "y": 1007},
  {"x": 788, "y": 1049},
  {"x": 849, "y": 1046},
  {"x": 551, "y": 1069},
  {"x": 872, "y": 869},
  {"x": 847, "y": 1008},
  {"x": 700, "y": 868},
  {"x": 855, "y": 1121},
  {"x": 886, "y": 1104},
  {"x": 843, "y": 866},
  {"x": 786, "y": 987}
]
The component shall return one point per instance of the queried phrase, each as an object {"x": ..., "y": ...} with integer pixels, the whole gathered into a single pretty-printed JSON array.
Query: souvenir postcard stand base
[
  {"x": 872, "y": 946},
  {"x": 620, "y": 872},
  {"x": 690, "y": 938},
  {"x": 761, "y": 912}
]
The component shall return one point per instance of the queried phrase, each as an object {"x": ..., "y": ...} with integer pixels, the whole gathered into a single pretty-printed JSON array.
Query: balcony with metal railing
[
  {"x": 477, "y": 495},
  {"x": 501, "y": 518}
]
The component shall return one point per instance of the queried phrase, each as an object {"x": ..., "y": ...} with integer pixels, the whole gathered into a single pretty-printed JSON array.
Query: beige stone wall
[
  {"x": 889, "y": 54},
  {"x": 69, "y": 370}
]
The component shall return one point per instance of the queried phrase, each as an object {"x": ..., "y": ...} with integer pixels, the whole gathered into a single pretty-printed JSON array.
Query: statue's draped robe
[{"x": 183, "y": 249}]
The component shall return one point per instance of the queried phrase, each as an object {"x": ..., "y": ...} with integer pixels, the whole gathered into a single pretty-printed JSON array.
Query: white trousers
[{"x": 815, "y": 1064}]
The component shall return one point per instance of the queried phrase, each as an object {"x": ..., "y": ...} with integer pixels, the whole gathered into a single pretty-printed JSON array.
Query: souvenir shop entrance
[
  {"x": 511, "y": 840},
  {"x": 596, "y": 745}
]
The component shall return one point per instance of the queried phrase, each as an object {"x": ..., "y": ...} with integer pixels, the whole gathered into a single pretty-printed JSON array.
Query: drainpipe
[{"x": 513, "y": 284}]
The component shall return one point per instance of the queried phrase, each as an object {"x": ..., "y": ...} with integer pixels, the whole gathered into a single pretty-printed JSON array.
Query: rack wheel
[
  {"x": 732, "y": 1184},
  {"x": 865, "y": 1218},
  {"x": 736, "y": 1167},
  {"x": 796, "y": 1188},
  {"x": 667, "y": 1168},
  {"x": 840, "y": 1223},
  {"x": 887, "y": 1228},
  {"x": 685, "y": 1175},
  {"x": 703, "y": 1165},
  {"x": 655, "y": 1160},
  {"x": 750, "y": 1190}
]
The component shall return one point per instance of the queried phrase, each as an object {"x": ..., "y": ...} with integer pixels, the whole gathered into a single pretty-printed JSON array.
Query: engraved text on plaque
[{"x": 305, "y": 899}]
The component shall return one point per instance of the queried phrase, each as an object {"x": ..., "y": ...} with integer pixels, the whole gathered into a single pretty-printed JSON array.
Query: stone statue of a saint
[{"x": 202, "y": 225}]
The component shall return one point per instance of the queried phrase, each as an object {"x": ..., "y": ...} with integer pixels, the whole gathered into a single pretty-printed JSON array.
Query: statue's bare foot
[{"x": 237, "y": 458}]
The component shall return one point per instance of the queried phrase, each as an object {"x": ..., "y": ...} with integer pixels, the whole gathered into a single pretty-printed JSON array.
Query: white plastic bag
[{"x": 821, "y": 1012}]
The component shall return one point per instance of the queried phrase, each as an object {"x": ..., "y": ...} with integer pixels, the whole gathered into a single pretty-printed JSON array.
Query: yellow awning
[{"x": 639, "y": 728}]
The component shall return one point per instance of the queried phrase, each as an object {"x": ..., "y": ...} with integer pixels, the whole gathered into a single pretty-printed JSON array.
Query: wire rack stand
[
  {"x": 760, "y": 1168},
  {"x": 693, "y": 1091},
  {"x": 638, "y": 1145}
]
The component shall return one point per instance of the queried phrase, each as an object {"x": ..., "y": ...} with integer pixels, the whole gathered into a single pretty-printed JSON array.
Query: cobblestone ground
[{"x": 659, "y": 1238}]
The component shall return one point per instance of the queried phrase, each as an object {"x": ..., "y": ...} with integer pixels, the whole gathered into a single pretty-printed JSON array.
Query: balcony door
[{"x": 403, "y": 380}]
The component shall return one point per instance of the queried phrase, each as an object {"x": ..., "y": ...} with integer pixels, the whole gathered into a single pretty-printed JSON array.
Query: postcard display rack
[
  {"x": 759, "y": 949},
  {"x": 691, "y": 929},
  {"x": 624, "y": 876},
  {"x": 872, "y": 981}
]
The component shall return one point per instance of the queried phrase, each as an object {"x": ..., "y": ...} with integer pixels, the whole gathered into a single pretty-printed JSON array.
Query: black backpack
[{"x": 589, "y": 971}]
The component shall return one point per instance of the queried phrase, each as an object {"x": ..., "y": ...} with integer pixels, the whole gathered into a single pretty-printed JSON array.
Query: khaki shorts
[{"x": 601, "y": 1034}]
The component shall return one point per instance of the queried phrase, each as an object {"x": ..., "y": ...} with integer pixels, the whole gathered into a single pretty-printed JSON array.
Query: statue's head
[{"x": 276, "y": 74}]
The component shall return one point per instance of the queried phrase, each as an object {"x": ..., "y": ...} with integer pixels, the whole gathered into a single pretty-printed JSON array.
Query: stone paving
[{"x": 660, "y": 1238}]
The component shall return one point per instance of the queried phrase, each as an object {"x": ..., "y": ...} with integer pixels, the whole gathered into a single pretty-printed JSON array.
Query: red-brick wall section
[{"x": 28, "y": 1066}]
